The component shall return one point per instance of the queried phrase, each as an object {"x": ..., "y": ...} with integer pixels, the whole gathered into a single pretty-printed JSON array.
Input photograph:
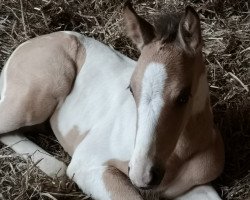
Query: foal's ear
[
  {"x": 138, "y": 29},
  {"x": 190, "y": 31}
]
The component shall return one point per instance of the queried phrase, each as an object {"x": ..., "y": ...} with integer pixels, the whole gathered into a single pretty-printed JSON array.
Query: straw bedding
[{"x": 226, "y": 31}]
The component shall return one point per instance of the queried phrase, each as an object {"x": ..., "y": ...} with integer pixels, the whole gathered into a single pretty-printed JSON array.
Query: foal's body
[{"x": 94, "y": 116}]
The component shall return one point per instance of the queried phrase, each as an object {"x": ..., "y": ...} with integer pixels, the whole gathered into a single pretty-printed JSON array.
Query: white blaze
[
  {"x": 151, "y": 102},
  {"x": 150, "y": 106}
]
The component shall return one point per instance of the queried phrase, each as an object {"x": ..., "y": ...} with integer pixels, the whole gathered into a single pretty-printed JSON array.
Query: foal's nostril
[
  {"x": 156, "y": 176},
  {"x": 128, "y": 169}
]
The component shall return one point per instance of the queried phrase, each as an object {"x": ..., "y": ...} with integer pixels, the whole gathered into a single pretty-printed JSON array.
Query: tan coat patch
[
  {"x": 71, "y": 139},
  {"x": 119, "y": 186},
  {"x": 39, "y": 74},
  {"x": 120, "y": 165},
  {"x": 198, "y": 155}
]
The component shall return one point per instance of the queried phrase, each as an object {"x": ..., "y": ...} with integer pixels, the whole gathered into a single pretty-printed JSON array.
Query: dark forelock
[{"x": 166, "y": 27}]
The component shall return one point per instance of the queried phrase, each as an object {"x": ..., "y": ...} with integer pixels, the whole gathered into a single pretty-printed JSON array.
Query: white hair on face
[
  {"x": 151, "y": 102},
  {"x": 149, "y": 110}
]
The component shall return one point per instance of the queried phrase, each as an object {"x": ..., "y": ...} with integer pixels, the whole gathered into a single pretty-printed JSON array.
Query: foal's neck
[{"x": 198, "y": 133}]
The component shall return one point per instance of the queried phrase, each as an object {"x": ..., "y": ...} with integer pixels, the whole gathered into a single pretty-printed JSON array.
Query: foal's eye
[{"x": 183, "y": 96}]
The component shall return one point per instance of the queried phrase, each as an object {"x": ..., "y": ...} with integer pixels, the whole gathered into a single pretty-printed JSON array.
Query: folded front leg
[{"x": 103, "y": 182}]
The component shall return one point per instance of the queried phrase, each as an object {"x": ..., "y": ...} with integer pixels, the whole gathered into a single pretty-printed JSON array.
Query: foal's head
[{"x": 163, "y": 85}]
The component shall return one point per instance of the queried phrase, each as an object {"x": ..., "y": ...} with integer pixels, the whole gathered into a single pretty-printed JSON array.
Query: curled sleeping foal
[{"x": 129, "y": 126}]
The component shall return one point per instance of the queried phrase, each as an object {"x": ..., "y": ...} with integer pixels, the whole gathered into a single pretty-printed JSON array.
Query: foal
[{"x": 150, "y": 121}]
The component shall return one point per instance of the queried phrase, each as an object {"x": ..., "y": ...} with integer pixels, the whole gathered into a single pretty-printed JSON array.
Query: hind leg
[
  {"x": 18, "y": 111},
  {"x": 14, "y": 114},
  {"x": 23, "y": 103},
  {"x": 21, "y": 106}
]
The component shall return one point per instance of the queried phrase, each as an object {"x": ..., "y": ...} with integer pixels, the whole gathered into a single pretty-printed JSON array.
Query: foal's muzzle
[
  {"x": 150, "y": 179},
  {"x": 156, "y": 176}
]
